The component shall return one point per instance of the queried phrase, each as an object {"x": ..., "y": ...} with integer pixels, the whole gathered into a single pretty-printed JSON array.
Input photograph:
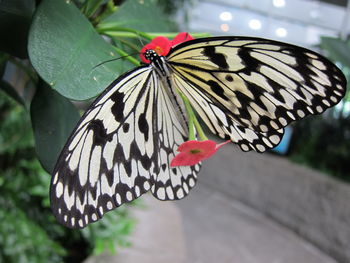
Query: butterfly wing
[
  {"x": 248, "y": 89},
  {"x": 221, "y": 123},
  {"x": 171, "y": 183},
  {"x": 119, "y": 150}
]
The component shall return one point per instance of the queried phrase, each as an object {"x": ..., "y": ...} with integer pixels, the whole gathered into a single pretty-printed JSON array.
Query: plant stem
[
  {"x": 115, "y": 30},
  {"x": 199, "y": 130},
  {"x": 192, "y": 120}
]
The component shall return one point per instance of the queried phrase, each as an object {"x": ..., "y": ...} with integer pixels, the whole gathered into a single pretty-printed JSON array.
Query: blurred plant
[
  {"x": 22, "y": 237},
  {"x": 324, "y": 144},
  {"x": 62, "y": 41}
]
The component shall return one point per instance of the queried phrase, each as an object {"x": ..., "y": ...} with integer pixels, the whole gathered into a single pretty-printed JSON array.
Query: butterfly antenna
[
  {"x": 140, "y": 39},
  {"x": 113, "y": 59}
]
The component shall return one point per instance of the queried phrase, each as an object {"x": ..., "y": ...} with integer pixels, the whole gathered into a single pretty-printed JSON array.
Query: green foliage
[
  {"x": 323, "y": 143},
  {"x": 21, "y": 237}
]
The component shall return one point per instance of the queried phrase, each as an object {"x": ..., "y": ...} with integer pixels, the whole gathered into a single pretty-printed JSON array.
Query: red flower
[
  {"x": 192, "y": 152},
  {"x": 161, "y": 45},
  {"x": 181, "y": 37}
]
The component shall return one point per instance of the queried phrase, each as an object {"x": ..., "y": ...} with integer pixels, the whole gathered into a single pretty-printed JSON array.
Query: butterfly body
[
  {"x": 244, "y": 89},
  {"x": 163, "y": 71}
]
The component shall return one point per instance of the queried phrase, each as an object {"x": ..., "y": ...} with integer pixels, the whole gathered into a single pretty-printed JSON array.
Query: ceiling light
[
  {"x": 279, "y": 3},
  {"x": 255, "y": 24},
  {"x": 281, "y": 32},
  {"x": 224, "y": 27},
  {"x": 226, "y": 16}
]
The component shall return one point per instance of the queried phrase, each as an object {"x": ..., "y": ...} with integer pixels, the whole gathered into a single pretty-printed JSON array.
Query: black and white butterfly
[{"x": 244, "y": 89}]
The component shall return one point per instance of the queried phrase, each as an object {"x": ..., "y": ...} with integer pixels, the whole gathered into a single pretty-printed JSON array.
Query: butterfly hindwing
[
  {"x": 221, "y": 123},
  {"x": 171, "y": 182},
  {"x": 120, "y": 149},
  {"x": 257, "y": 84}
]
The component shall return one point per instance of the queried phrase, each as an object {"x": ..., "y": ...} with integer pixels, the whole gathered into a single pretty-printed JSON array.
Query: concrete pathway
[
  {"x": 209, "y": 226},
  {"x": 218, "y": 229}
]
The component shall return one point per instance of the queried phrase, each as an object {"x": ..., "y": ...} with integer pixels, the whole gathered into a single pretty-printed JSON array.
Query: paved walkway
[{"x": 208, "y": 227}]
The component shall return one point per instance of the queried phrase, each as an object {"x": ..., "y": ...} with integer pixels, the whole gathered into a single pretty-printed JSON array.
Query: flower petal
[
  {"x": 218, "y": 146},
  {"x": 184, "y": 159},
  {"x": 181, "y": 37},
  {"x": 163, "y": 44},
  {"x": 192, "y": 152},
  {"x": 190, "y": 145}
]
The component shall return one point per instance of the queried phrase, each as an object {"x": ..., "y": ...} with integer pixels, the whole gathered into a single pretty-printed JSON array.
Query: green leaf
[
  {"x": 64, "y": 48},
  {"x": 53, "y": 119},
  {"x": 142, "y": 15},
  {"x": 15, "y": 19}
]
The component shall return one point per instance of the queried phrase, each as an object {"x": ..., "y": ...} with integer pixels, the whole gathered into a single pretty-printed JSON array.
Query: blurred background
[{"x": 288, "y": 205}]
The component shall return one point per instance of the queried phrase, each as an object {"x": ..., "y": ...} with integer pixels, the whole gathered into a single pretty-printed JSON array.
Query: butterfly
[{"x": 244, "y": 89}]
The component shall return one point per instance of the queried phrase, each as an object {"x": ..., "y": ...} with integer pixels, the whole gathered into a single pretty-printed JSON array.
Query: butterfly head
[{"x": 151, "y": 55}]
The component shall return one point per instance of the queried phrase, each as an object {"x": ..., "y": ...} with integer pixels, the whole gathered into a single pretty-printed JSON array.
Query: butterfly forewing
[
  {"x": 256, "y": 84},
  {"x": 120, "y": 149}
]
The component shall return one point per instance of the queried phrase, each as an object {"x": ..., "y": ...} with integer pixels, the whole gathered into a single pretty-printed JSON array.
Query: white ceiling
[{"x": 300, "y": 22}]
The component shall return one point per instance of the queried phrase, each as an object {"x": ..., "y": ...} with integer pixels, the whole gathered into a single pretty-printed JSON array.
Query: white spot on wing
[
  {"x": 180, "y": 193},
  {"x": 118, "y": 199},
  {"x": 68, "y": 199},
  {"x": 128, "y": 195},
  {"x": 274, "y": 138},
  {"x": 55, "y": 178},
  {"x": 191, "y": 182},
  {"x": 244, "y": 147},
  {"x": 146, "y": 186},
  {"x": 170, "y": 192},
  {"x": 59, "y": 189},
  {"x": 94, "y": 217},
  {"x": 84, "y": 159},
  {"x": 108, "y": 151},
  {"x": 95, "y": 163},
  {"x": 161, "y": 193},
  {"x": 333, "y": 98}
]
